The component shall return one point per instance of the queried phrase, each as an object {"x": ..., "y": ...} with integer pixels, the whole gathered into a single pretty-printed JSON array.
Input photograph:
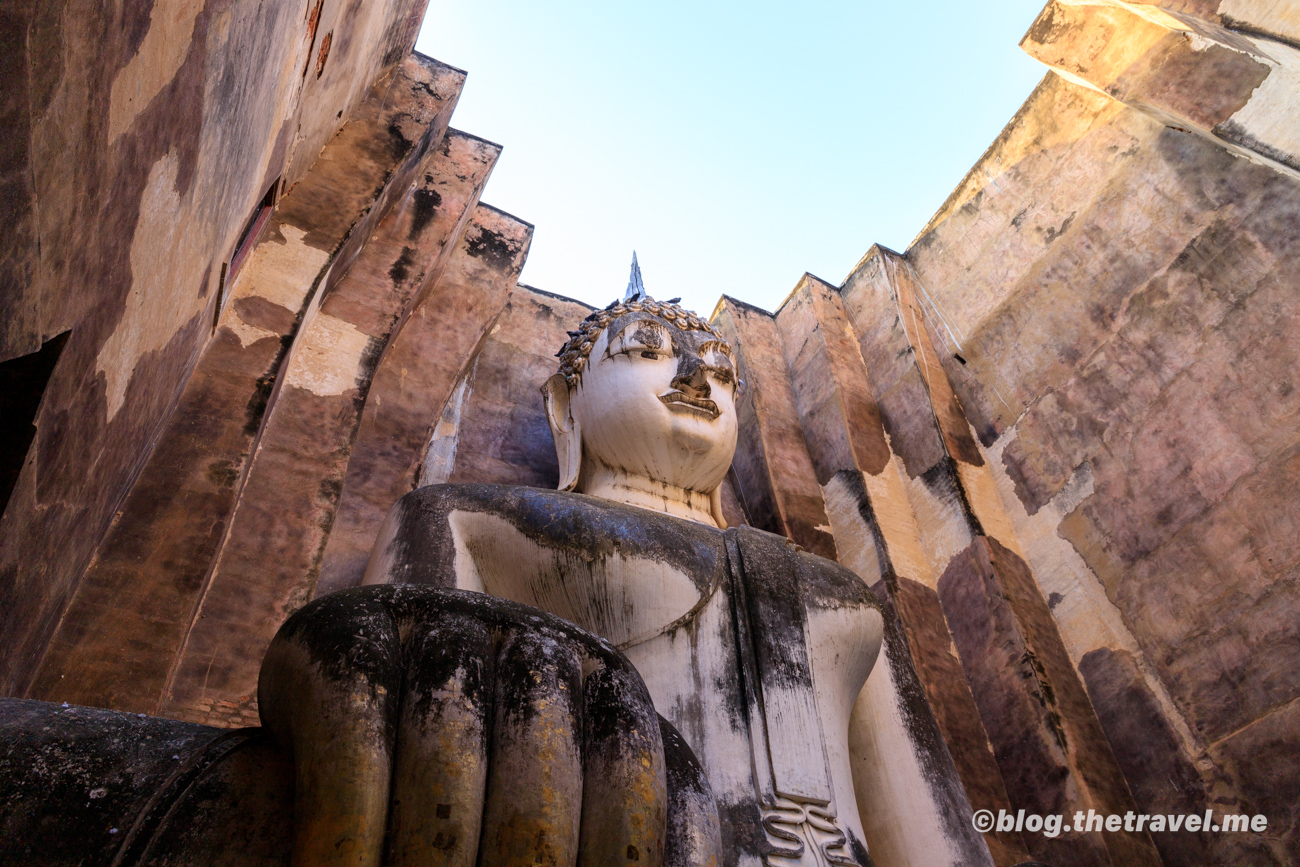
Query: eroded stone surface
[
  {"x": 87, "y": 786},
  {"x": 143, "y": 142},
  {"x": 291, "y": 489},
  {"x": 1113, "y": 277},
  {"x": 775, "y": 474},
  {"x": 415, "y": 400},
  {"x": 877, "y": 536},
  {"x": 1108, "y": 293},
  {"x": 1038, "y": 717},
  {"x": 135, "y": 605}
]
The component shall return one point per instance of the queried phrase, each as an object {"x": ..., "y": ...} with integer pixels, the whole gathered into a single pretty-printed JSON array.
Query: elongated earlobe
[
  {"x": 715, "y": 507},
  {"x": 565, "y": 430}
]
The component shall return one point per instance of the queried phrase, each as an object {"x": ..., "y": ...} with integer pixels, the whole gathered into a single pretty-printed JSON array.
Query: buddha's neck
[{"x": 622, "y": 487}]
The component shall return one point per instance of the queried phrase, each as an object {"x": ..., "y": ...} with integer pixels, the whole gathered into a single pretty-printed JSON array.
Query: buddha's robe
[{"x": 753, "y": 649}]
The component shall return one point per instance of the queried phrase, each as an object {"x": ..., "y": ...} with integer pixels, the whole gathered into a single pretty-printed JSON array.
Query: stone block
[
  {"x": 1261, "y": 760},
  {"x": 865, "y": 498},
  {"x": 1048, "y": 742},
  {"x": 1163, "y": 778},
  {"x": 502, "y": 433}
]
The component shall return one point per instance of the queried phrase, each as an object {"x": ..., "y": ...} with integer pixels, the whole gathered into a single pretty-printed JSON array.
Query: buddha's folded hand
[{"x": 446, "y": 727}]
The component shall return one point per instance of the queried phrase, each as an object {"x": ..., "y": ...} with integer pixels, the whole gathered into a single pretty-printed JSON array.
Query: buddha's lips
[{"x": 698, "y": 404}]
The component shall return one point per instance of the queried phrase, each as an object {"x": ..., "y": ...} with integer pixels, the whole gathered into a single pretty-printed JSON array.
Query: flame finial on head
[{"x": 635, "y": 288}]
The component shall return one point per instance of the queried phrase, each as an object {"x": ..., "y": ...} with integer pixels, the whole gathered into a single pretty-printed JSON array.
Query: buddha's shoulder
[
  {"x": 593, "y": 527},
  {"x": 787, "y": 570},
  {"x": 560, "y": 518},
  {"x": 830, "y": 584}
]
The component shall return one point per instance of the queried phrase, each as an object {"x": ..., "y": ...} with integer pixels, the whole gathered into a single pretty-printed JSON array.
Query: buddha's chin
[{"x": 695, "y": 435}]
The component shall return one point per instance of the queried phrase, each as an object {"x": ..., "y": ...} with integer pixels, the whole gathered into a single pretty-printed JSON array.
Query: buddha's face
[{"x": 658, "y": 401}]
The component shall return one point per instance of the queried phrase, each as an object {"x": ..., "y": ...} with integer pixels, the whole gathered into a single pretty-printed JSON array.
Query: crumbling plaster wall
[
  {"x": 1113, "y": 287},
  {"x": 139, "y": 137}
]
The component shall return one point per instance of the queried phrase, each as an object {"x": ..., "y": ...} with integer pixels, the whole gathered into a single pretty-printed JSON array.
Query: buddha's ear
[
  {"x": 715, "y": 507},
  {"x": 565, "y": 430}
]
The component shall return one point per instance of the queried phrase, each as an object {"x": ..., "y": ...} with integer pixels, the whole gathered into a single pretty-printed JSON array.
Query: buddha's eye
[
  {"x": 717, "y": 355},
  {"x": 724, "y": 375},
  {"x": 643, "y": 340}
]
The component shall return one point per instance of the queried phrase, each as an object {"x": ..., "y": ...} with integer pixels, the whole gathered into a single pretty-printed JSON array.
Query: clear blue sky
[{"x": 734, "y": 146}]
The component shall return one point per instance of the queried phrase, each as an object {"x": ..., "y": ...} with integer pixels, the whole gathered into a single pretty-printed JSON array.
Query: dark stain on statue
[
  {"x": 859, "y": 850},
  {"x": 350, "y": 637},
  {"x": 454, "y": 654},
  {"x": 90, "y": 763},
  {"x": 588, "y": 528},
  {"x": 691, "y": 805},
  {"x": 535, "y": 670},
  {"x": 648, "y": 335},
  {"x": 685, "y": 775},
  {"x": 775, "y": 607},
  {"x": 826, "y": 585},
  {"x": 742, "y": 832}
]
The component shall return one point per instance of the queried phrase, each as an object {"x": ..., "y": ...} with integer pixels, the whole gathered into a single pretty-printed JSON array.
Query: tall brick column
[{"x": 1049, "y": 745}]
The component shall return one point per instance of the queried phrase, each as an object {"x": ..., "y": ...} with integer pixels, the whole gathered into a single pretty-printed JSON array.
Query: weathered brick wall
[
  {"x": 139, "y": 138},
  {"x": 130, "y": 623},
  {"x": 1113, "y": 289}
]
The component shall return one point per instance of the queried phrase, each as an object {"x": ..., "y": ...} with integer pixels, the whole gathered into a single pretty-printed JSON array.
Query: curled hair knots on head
[{"x": 573, "y": 355}]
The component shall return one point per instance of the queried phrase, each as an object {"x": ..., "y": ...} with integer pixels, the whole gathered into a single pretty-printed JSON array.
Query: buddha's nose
[{"x": 692, "y": 377}]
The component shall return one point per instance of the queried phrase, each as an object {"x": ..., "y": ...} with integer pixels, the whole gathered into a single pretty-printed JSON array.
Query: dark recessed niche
[
  {"x": 960, "y": 360},
  {"x": 22, "y": 385},
  {"x": 248, "y": 239}
]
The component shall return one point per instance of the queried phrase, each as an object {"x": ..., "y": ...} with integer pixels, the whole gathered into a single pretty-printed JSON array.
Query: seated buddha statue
[
  {"x": 604, "y": 674},
  {"x": 752, "y": 649}
]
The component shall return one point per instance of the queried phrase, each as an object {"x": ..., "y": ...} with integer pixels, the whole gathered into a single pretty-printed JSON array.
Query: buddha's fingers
[
  {"x": 440, "y": 770},
  {"x": 534, "y": 789},
  {"x": 624, "y": 797},
  {"x": 694, "y": 836},
  {"x": 328, "y": 691}
]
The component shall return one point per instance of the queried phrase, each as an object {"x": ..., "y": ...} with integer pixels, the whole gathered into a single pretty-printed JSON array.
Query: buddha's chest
[
  {"x": 624, "y": 593},
  {"x": 756, "y": 654},
  {"x": 773, "y": 744}
]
